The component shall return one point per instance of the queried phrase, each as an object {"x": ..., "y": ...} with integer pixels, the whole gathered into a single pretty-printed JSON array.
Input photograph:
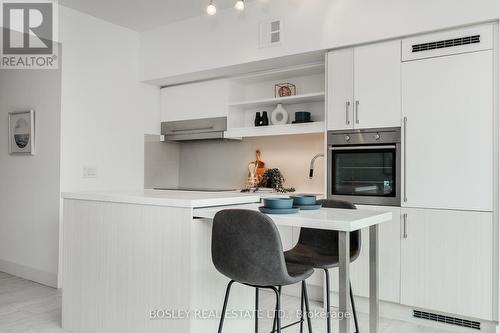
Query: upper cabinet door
[
  {"x": 448, "y": 104},
  {"x": 340, "y": 89},
  {"x": 199, "y": 100},
  {"x": 377, "y": 85}
]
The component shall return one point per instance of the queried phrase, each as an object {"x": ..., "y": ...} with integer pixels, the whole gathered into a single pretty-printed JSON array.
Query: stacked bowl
[
  {"x": 305, "y": 202},
  {"x": 289, "y": 205}
]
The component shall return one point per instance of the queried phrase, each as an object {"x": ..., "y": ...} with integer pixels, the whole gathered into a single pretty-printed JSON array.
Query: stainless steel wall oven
[{"x": 364, "y": 166}]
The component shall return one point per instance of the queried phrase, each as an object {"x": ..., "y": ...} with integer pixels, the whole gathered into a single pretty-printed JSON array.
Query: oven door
[{"x": 365, "y": 174}]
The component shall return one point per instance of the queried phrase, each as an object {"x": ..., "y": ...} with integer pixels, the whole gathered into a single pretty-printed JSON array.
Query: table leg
[
  {"x": 374, "y": 280},
  {"x": 344, "y": 261}
]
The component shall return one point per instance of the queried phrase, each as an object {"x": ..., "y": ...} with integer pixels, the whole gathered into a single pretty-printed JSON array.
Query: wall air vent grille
[
  {"x": 447, "y": 320},
  {"x": 446, "y": 43},
  {"x": 270, "y": 33}
]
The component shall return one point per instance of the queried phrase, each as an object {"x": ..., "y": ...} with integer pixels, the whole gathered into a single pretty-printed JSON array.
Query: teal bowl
[
  {"x": 304, "y": 200},
  {"x": 278, "y": 203}
]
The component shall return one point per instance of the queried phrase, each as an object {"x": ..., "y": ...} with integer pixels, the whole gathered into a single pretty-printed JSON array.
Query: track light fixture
[{"x": 212, "y": 10}]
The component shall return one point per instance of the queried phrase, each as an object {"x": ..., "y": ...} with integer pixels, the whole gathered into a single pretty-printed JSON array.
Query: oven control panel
[{"x": 364, "y": 137}]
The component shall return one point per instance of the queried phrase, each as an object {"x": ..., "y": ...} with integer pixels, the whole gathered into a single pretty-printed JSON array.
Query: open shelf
[
  {"x": 304, "y": 98},
  {"x": 287, "y": 129},
  {"x": 283, "y": 74}
]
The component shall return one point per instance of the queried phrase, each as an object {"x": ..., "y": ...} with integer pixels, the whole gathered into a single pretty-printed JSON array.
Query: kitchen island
[{"x": 140, "y": 261}]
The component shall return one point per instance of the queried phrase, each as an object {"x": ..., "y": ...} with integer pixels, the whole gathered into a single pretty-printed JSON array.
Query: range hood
[{"x": 196, "y": 129}]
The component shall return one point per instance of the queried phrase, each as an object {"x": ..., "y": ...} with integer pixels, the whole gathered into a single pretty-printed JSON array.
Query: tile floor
[{"x": 28, "y": 307}]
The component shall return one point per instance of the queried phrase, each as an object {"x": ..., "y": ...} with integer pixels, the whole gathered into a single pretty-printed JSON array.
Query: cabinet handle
[
  {"x": 357, "y": 112},
  {"x": 405, "y": 160},
  {"x": 347, "y": 106},
  {"x": 405, "y": 225}
]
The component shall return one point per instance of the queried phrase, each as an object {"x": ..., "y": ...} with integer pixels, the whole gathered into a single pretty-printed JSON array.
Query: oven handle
[{"x": 362, "y": 147}]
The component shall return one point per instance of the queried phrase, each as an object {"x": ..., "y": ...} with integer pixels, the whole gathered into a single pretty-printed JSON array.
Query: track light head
[
  {"x": 240, "y": 5},
  {"x": 211, "y": 9}
]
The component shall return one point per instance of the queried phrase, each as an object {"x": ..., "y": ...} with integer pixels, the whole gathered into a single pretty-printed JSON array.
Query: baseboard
[{"x": 29, "y": 273}]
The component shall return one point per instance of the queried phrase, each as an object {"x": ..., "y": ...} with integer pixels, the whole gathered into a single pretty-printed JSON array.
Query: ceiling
[{"x": 142, "y": 15}]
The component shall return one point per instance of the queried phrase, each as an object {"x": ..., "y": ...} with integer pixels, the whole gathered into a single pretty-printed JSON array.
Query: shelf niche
[{"x": 254, "y": 93}]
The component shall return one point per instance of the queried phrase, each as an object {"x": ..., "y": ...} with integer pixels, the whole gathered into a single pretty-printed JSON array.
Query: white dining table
[{"x": 344, "y": 221}]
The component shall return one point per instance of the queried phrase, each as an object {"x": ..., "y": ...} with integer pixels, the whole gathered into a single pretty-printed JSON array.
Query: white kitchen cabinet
[
  {"x": 446, "y": 261},
  {"x": 364, "y": 86},
  {"x": 448, "y": 136},
  {"x": 389, "y": 247},
  {"x": 340, "y": 89},
  {"x": 207, "y": 99},
  {"x": 377, "y": 85}
]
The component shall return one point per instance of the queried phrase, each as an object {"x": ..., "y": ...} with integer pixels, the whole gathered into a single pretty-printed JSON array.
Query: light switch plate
[{"x": 89, "y": 172}]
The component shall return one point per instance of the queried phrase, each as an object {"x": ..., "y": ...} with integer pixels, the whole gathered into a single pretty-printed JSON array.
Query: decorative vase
[
  {"x": 258, "y": 119},
  {"x": 279, "y": 116},
  {"x": 265, "y": 119}
]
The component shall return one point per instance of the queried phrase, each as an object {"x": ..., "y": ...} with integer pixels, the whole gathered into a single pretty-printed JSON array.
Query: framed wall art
[{"x": 22, "y": 132}]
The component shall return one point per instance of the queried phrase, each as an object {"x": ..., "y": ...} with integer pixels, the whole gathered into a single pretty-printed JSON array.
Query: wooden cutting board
[
  {"x": 256, "y": 170},
  {"x": 260, "y": 166}
]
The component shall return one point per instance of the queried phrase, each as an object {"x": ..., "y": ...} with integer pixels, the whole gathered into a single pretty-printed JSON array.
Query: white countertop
[
  {"x": 324, "y": 218},
  {"x": 187, "y": 199}
]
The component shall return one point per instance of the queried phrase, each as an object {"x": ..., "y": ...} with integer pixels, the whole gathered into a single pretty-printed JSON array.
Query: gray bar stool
[
  {"x": 246, "y": 248},
  {"x": 319, "y": 249}
]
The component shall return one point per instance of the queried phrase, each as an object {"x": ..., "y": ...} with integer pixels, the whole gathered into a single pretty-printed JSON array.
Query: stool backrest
[
  {"x": 246, "y": 247},
  {"x": 326, "y": 241}
]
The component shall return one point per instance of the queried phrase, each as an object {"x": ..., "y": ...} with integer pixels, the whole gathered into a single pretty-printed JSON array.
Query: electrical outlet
[{"x": 89, "y": 172}]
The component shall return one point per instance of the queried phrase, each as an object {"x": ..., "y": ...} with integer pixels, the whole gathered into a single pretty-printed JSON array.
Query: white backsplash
[
  {"x": 224, "y": 164},
  {"x": 161, "y": 162}
]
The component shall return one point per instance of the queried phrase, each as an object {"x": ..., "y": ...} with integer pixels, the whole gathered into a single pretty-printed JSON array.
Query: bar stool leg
[
  {"x": 275, "y": 319},
  {"x": 278, "y": 310},
  {"x": 354, "y": 309},
  {"x": 224, "y": 307},
  {"x": 256, "y": 310},
  {"x": 328, "y": 308},
  {"x": 306, "y": 300},
  {"x": 301, "y": 309}
]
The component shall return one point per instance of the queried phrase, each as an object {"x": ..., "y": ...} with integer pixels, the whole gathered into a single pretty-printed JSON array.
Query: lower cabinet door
[
  {"x": 289, "y": 238},
  {"x": 287, "y": 235},
  {"x": 389, "y": 260},
  {"x": 447, "y": 261}
]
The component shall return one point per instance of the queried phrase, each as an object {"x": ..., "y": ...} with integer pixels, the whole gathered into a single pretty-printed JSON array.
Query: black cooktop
[{"x": 194, "y": 189}]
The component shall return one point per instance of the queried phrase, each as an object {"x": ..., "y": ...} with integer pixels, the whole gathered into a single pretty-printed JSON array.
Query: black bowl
[{"x": 302, "y": 116}]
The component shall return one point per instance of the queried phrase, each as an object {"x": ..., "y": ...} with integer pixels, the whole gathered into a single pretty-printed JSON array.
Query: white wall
[
  {"x": 93, "y": 112},
  {"x": 29, "y": 185},
  {"x": 231, "y": 38},
  {"x": 105, "y": 110}
]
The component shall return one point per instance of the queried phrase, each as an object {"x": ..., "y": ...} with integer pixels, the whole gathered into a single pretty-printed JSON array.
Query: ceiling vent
[
  {"x": 270, "y": 33},
  {"x": 446, "y": 43},
  {"x": 447, "y": 320}
]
